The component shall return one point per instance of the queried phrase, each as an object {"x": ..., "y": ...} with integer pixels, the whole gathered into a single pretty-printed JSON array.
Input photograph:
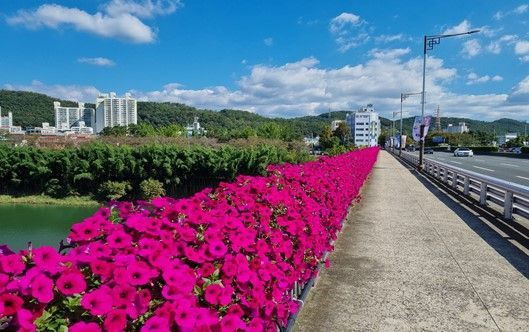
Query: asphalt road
[{"x": 505, "y": 168}]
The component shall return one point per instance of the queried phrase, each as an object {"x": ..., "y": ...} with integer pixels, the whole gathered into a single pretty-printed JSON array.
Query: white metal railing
[{"x": 512, "y": 197}]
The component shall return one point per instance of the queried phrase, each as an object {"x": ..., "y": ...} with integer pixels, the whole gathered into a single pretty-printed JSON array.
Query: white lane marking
[
  {"x": 441, "y": 158},
  {"x": 483, "y": 168},
  {"x": 455, "y": 162},
  {"x": 522, "y": 177},
  {"x": 509, "y": 165},
  {"x": 479, "y": 160}
]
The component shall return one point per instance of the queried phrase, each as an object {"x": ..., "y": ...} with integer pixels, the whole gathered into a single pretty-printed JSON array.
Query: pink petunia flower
[
  {"x": 217, "y": 248},
  {"x": 84, "y": 327},
  {"x": 47, "y": 259},
  {"x": 71, "y": 282},
  {"x": 116, "y": 321},
  {"x": 156, "y": 324},
  {"x": 10, "y": 303},
  {"x": 12, "y": 264},
  {"x": 42, "y": 288},
  {"x": 98, "y": 302}
]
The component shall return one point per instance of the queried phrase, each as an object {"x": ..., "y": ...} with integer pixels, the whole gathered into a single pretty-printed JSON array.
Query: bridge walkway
[{"x": 411, "y": 258}]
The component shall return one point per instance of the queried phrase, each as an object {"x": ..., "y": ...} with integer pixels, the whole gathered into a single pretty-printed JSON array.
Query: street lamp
[
  {"x": 404, "y": 96},
  {"x": 429, "y": 43}
]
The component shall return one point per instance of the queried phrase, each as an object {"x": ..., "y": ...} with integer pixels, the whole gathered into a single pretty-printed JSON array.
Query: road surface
[{"x": 505, "y": 168}]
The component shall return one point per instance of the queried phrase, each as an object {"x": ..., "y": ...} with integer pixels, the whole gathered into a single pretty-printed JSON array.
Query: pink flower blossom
[
  {"x": 156, "y": 324},
  {"x": 116, "y": 321},
  {"x": 71, "y": 282},
  {"x": 10, "y": 303},
  {"x": 84, "y": 327},
  {"x": 98, "y": 302},
  {"x": 12, "y": 264},
  {"x": 42, "y": 288},
  {"x": 47, "y": 259}
]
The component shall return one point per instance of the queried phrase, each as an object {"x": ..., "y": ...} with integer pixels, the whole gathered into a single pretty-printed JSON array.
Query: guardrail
[{"x": 512, "y": 197}]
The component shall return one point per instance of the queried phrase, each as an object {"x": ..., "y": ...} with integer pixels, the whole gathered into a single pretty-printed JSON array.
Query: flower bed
[{"x": 222, "y": 260}]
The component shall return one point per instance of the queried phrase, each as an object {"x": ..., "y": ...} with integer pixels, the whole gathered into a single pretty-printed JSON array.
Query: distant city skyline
[{"x": 274, "y": 58}]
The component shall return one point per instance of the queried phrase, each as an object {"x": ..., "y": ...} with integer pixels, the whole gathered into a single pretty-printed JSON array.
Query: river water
[{"x": 40, "y": 224}]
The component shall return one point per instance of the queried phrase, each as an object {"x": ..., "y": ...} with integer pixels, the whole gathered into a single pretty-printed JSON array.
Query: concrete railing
[{"x": 512, "y": 197}]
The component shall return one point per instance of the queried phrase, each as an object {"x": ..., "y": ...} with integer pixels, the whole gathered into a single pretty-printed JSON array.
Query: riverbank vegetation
[
  {"x": 106, "y": 171},
  {"x": 47, "y": 200}
]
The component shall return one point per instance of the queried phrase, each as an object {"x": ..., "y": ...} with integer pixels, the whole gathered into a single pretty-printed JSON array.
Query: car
[
  {"x": 428, "y": 151},
  {"x": 463, "y": 152},
  {"x": 410, "y": 148}
]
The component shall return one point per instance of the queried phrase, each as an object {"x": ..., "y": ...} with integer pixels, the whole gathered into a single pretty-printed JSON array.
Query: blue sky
[{"x": 276, "y": 58}]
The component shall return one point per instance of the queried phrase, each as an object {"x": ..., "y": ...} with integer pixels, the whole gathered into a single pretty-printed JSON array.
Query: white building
[
  {"x": 68, "y": 117},
  {"x": 459, "y": 129},
  {"x": 503, "y": 139},
  {"x": 82, "y": 129},
  {"x": 113, "y": 111},
  {"x": 335, "y": 123},
  {"x": 195, "y": 128},
  {"x": 46, "y": 129},
  {"x": 364, "y": 125},
  {"x": 6, "y": 122}
]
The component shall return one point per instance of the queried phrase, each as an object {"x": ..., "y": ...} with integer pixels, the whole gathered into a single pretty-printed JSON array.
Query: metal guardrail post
[
  {"x": 507, "y": 205},
  {"x": 466, "y": 189},
  {"x": 483, "y": 194},
  {"x": 504, "y": 193}
]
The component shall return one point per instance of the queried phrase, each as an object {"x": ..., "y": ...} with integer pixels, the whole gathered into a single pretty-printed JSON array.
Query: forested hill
[{"x": 31, "y": 109}]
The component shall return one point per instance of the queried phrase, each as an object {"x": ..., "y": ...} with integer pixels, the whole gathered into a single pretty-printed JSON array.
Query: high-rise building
[
  {"x": 364, "y": 125},
  {"x": 68, "y": 117},
  {"x": 6, "y": 122},
  {"x": 113, "y": 111}
]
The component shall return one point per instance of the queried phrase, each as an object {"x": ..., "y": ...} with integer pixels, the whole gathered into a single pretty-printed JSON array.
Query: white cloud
[
  {"x": 390, "y": 54},
  {"x": 268, "y": 41},
  {"x": 123, "y": 26},
  {"x": 471, "y": 48},
  {"x": 305, "y": 87},
  {"x": 144, "y": 8},
  {"x": 521, "y": 47},
  {"x": 68, "y": 92},
  {"x": 524, "y": 58},
  {"x": 464, "y": 26},
  {"x": 389, "y": 38},
  {"x": 521, "y": 9},
  {"x": 348, "y": 31},
  {"x": 99, "y": 61},
  {"x": 473, "y": 78},
  {"x": 497, "y": 78},
  {"x": 496, "y": 46}
]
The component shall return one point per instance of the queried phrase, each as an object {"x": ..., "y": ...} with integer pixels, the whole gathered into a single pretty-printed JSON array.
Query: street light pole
[
  {"x": 429, "y": 42},
  {"x": 403, "y": 97}
]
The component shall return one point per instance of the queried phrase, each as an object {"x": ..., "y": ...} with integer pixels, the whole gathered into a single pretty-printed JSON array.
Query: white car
[{"x": 463, "y": 152}]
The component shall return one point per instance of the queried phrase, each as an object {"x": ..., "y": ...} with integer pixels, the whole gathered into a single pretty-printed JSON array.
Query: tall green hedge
[{"x": 83, "y": 170}]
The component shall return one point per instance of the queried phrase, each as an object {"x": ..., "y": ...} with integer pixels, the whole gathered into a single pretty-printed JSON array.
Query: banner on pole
[
  {"x": 403, "y": 141},
  {"x": 419, "y": 120}
]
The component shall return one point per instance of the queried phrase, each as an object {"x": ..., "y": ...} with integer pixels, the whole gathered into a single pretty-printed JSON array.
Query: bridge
[{"x": 416, "y": 255}]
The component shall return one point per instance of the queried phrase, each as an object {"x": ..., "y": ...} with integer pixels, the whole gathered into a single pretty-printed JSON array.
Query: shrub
[
  {"x": 525, "y": 149},
  {"x": 151, "y": 188},
  {"x": 113, "y": 190},
  {"x": 223, "y": 260}
]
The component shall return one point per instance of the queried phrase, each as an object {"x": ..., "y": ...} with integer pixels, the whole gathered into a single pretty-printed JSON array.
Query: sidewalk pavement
[{"x": 410, "y": 259}]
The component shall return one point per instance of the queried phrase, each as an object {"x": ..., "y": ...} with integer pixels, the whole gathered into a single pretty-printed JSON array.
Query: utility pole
[{"x": 429, "y": 42}]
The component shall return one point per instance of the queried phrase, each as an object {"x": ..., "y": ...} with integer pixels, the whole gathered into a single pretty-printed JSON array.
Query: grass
[{"x": 47, "y": 200}]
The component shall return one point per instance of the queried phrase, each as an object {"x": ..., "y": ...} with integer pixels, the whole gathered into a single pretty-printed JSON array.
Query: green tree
[
  {"x": 327, "y": 140},
  {"x": 342, "y": 133},
  {"x": 151, "y": 188}
]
